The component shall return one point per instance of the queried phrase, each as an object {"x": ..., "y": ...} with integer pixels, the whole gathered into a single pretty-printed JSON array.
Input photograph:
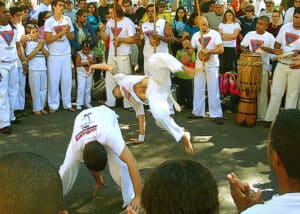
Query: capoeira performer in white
[
  {"x": 58, "y": 31},
  {"x": 96, "y": 140},
  {"x": 10, "y": 49},
  {"x": 154, "y": 91}
]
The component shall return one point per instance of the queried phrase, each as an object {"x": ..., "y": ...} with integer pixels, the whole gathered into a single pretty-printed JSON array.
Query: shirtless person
[{"x": 154, "y": 91}]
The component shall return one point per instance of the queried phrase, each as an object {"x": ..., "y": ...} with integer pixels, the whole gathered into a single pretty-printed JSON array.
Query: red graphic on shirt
[
  {"x": 149, "y": 33},
  {"x": 116, "y": 32},
  {"x": 206, "y": 41},
  {"x": 7, "y": 36},
  {"x": 290, "y": 38},
  {"x": 126, "y": 93},
  {"x": 58, "y": 29},
  {"x": 256, "y": 44},
  {"x": 85, "y": 132}
]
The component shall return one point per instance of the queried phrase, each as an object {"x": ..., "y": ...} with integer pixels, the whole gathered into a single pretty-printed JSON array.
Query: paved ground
[{"x": 222, "y": 149}]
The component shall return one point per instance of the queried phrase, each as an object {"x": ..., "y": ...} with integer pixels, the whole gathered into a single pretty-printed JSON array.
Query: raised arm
[{"x": 101, "y": 66}]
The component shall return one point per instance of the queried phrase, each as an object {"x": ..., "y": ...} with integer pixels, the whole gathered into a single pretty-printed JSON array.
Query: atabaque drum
[{"x": 248, "y": 82}]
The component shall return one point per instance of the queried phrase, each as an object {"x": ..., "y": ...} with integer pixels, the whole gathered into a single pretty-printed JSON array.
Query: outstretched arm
[
  {"x": 99, "y": 181},
  {"x": 101, "y": 66}
]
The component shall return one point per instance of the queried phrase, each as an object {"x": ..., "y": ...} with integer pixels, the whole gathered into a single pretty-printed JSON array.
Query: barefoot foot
[{"x": 187, "y": 143}]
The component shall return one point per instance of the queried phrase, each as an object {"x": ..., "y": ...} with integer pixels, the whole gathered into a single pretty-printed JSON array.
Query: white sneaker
[
  {"x": 89, "y": 105},
  {"x": 78, "y": 107}
]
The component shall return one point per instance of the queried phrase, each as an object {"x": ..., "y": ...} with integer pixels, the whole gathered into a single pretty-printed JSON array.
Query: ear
[{"x": 277, "y": 162}]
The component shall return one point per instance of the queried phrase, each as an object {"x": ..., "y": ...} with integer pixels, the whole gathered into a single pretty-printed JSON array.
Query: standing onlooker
[
  {"x": 242, "y": 8},
  {"x": 276, "y": 24},
  {"x": 178, "y": 24},
  {"x": 288, "y": 16},
  {"x": 58, "y": 31},
  {"x": 37, "y": 52},
  {"x": 229, "y": 30},
  {"x": 9, "y": 46},
  {"x": 43, "y": 16},
  {"x": 84, "y": 59},
  {"x": 248, "y": 21},
  {"x": 70, "y": 11},
  {"x": 82, "y": 4},
  {"x": 216, "y": 17},
  {"x": 119, "y": 50},
  {"x": 191, "y": 26},
  {"x": 93, "y": 17},
  {"x": 103, "y": 9},
  {"x": 262, "y": 42},
  {"x": 269, "y": 10},
  {"x": 207, "y": 57},
  {"x": 44, "y": 6},
  {"x": 286, "y": 78},
  {"x": 162, "y": 13}
]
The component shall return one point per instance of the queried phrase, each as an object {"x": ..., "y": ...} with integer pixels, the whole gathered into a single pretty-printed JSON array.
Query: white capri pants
[
  {"x": 38, "y": 88},
  {"x": 84, "y": 88}
]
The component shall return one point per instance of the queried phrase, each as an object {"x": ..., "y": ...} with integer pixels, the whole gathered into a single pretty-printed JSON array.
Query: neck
[
  {"x": 79, "y": 24},
  {"x": 288, "y": 185},
  {"x": 57, "y": 16},
  {"x": 296, "y": 28}
]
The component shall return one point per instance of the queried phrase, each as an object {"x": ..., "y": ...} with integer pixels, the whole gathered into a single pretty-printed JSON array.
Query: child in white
[
  {"x": 84, "y": 59},
  {"x": 36, "y": 52}
]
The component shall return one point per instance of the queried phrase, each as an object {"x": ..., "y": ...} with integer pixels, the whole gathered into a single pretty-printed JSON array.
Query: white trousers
[
  {"x": 59, "y": 73},
  {"x": 211, "y": 78},
  {"x": 262, "y": 97},
  {"x": 8, "y": 93},
  {"x": 84, "y": 88},
  {"x": 121, "y": 64},
  {"x": 38, "y": 88},
  {"x": 287, "y": 79},
  {"x": 20, "y": 101},
  {"x": 158, "y": 89}
]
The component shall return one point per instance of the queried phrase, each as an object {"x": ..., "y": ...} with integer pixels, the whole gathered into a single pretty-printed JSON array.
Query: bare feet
[
  {"x": 187, "y": 143},
  {"x": 37, "y": 113},
  {"x": 192, "y": 71}
]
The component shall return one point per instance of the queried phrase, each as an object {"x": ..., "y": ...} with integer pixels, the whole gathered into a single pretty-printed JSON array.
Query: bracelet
[
  {"x": 24, "y": 62},
  {"x": 141, "y": 137}
]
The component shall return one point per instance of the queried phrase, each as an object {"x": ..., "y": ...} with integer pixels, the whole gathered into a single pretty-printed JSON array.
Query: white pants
[
  {"x": 134, "y": 54},
  {"x": 158, "y": 89},
  {"x": 262, "y": 97},
  {"x": 121, "y": 64},
  {"x": 84, "y": 88},
  {"x": 287, "y": 79},
  {"x": 38, "y": 88},
  {"x": 20, "y": 101},
  {"x": 59, "y": 73},
  {"x": 8, "y": 93},
  {"x": 211, "y": 78}
]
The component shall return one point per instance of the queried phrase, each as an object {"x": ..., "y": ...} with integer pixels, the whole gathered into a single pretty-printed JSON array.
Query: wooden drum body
[{"x": 248, "y": 82}]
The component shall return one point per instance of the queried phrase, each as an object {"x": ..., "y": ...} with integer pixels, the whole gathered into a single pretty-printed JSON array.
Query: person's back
[{"x": 29, "y": 184}]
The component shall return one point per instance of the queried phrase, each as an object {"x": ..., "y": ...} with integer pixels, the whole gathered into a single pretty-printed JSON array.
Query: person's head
[
  {"x": 4, "y": 14},
  {"x": 94, "y": 156},
  {"x": 58, "y": 6},
  {"x": 127, "y": 5},
  {"x": 244, "y": 4},
  {"x": 117, "y": 92},
  {"x": 180, "y": 14},
  {"x": 296, "y": 3},
  {"x": 43, "y": 16},
  {"x": 119, "y": 10},
  {"x": 86, "y": 46},
  {"x": 269, "y": 5},
  {"x": 144, "y": 3},
  {"x": 204, "y": 25},
  {"x": 262, "y": 24},
  {"x": 249, "y": 11},
  {"x": 192, "y": 20},
  {"x": 29, "y": 183},
  {"x": 276, "y": 17},
  {"x": 284, "y": 145},
  {"x": 25, "y": 12},
  {"x": 111, "y": 11},
  {"x": 69, "y": 5},
  {"x": 296, "y": 18},
  {"x": 92, "y": 9},
  {"x": 33, "y": 30},
  {"x": 81, "y": 16},
  {"x": 15, "y": 15},
  {"x": 82, "y": 4},
  {"x": 103, "y": 3},
  {"x": 219, "y": 7},
  {"x": 180, "y": 186},
  {"x": 229, "y": 16},
  {"x": 161, "y": 6},
  {"x": 150, "y": 12}
]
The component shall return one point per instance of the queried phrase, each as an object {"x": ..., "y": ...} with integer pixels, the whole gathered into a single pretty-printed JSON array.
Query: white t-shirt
[
  {"x": 21, "y": 32},
  {"x": 254, "y": 41},
  {"x": 211, "y": 40},
  {"x": 289, "y": 38},
  {"x": 287, "y": 203},
  {"x": 288, "y": 16},
  {"x": 126, "y": 83},
  {"x": 229, "y": 29},
  {"x": 125, "y": 29},
  {"x": 148, "y": 30},
  {"x": 60, "y": 46},
  {"x": 37, "y": 63},
  {"x": 41, "y": 8},
  {"x": 8, "y": 40}
]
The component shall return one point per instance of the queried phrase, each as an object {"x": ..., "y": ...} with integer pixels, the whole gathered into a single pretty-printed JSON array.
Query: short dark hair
[
  {"x": 80, "y": 12},
  {"x": 126, "y": 2},
  {"x": 55, "y": 2},
  {"x": 14, "y": 10},
  {"x": 29, "y": 184},
  {"x": 285, "y": 140},
  {"x": 297, "y": 10},
  {"x": 2, "y": 4},
  {"x": 151, "y": 5},
  {"x": 29, "y": 27},
  {"x": 119, "y": 10},
  {"x": 94, "y": 156},
  {"x": 266, "y": 19},
  {"x": 180, "y": 186}
]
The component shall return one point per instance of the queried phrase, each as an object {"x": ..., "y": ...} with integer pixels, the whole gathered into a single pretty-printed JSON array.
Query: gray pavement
[{"x": 222, "y": 148}]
